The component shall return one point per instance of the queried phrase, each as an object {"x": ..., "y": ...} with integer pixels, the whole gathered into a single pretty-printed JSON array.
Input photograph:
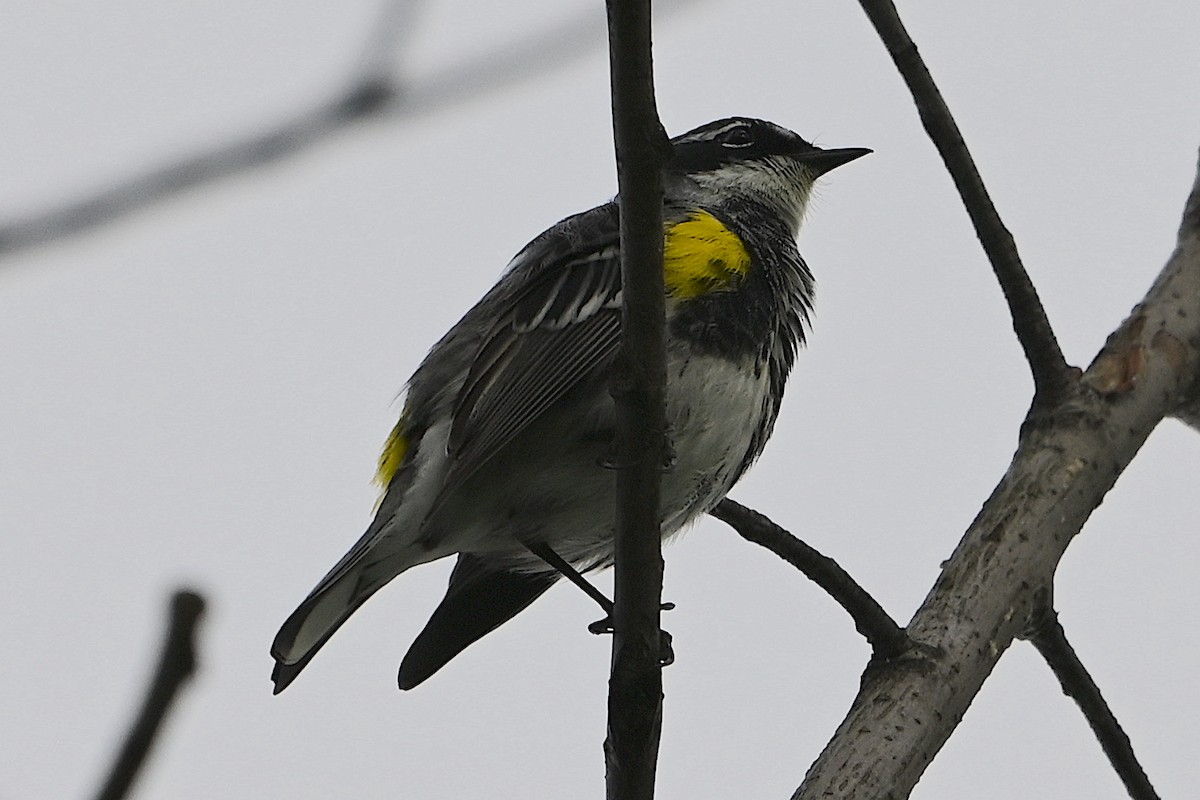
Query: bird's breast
[{"x": 715, "y": 410}]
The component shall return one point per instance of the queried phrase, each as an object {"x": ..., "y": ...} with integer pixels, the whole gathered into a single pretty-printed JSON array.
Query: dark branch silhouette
[
  {"x": 1048, "y": 636},
  {"x": 887, "y": 639},
  {"x": 638, "y": 389},
  {"x": 1051, "y": 375},
  {"x": 176, "y": 665}
]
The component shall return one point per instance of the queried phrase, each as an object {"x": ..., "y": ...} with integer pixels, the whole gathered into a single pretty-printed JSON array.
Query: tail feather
[
  {"x": 311, "y": 625},
  {"x": 479, "y": 599},
  {"x": 389, "y": 546}
]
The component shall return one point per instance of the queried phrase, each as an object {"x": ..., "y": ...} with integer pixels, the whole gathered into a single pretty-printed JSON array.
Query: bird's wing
[{"x": 560, "y": 325}]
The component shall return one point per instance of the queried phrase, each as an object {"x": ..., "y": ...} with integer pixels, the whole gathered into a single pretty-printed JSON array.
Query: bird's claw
[{"x": 666, "y": 652}]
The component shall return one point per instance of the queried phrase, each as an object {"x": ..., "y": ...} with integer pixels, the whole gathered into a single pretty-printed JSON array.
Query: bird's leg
[
  {"x": 666, "y": 653},
  {"x": 547, "y": 554}
]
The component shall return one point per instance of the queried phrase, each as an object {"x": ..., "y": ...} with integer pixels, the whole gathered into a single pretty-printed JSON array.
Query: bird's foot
[{"x": 666, "y": 652}]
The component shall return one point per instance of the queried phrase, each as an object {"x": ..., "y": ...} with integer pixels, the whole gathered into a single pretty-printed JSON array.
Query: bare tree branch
[
  {"x": 159, "y": 183},
  {"x": 176, "y": 665},
  {"x": 375, "y": 93},
  {"x": 1051, "y": 375},
  {"x": 988, "y": 591},
  {"x": 887, "y": 639},
  {"x": 638, "y": 387},
  {"x": 1050, "y": 639},
  {"x": 378, "y": 61}
]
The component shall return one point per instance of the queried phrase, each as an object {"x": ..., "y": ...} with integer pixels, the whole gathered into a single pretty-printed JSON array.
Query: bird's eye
[{"x": 737, "y": 137}]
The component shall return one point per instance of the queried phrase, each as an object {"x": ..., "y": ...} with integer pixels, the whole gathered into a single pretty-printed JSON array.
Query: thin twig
[
  {"x": 1051, "y": 375},
  {"x": 1050, "y": 639},
  {"x": 887, "y": 639},
  {"x": 638, "y": 389},
  {"x": 176, "y": 665}
]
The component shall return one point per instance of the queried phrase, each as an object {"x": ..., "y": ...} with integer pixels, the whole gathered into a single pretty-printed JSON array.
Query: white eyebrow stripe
[{"x": 709, "y": 135}]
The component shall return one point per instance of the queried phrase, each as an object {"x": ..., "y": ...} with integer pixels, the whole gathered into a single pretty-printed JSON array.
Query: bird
[{"x": 502, "y": 455}]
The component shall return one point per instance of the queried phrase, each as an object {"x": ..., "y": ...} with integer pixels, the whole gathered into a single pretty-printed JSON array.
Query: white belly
[{"x": 714, "y": 409}]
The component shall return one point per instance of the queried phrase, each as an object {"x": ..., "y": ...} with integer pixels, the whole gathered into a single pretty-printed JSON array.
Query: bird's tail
[
  {"x": 480, "y": 598},
  {"x": 317, "y": 619}
]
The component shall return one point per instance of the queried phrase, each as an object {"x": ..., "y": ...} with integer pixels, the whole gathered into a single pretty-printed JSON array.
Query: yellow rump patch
[
  {"x": 392, "y": 456},
  {"x": 701, "y": 255}
]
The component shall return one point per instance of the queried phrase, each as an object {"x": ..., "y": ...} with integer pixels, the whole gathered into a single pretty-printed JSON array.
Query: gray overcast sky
[{"x": 197, "y": 393}]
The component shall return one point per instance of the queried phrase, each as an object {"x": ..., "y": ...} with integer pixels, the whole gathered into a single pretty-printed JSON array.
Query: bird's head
[{"x": 742, "y": 156}]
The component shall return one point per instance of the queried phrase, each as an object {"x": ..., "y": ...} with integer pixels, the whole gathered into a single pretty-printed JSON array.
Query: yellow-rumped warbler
[{"x": 508, "y": 423}]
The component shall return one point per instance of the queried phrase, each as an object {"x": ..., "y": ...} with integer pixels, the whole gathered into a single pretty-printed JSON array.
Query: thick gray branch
[{"x": 1067, "y": 460}]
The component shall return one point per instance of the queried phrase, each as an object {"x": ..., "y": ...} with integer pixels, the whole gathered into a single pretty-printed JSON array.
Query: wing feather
[{"x": 562, "y": 326}]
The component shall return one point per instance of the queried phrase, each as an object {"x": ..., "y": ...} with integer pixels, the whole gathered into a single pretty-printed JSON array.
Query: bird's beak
[{"x": 822, "y": 161}]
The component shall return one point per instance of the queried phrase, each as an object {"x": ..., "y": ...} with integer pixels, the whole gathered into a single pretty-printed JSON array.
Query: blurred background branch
[
  {"x": 377, "y": 92},
  {"x": 176, "y": 665}
]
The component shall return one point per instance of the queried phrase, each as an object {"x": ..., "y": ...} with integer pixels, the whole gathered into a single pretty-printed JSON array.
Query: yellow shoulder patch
[
  {"x": 701, "y": 255},
  {"x": 392, "y": 456}
]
